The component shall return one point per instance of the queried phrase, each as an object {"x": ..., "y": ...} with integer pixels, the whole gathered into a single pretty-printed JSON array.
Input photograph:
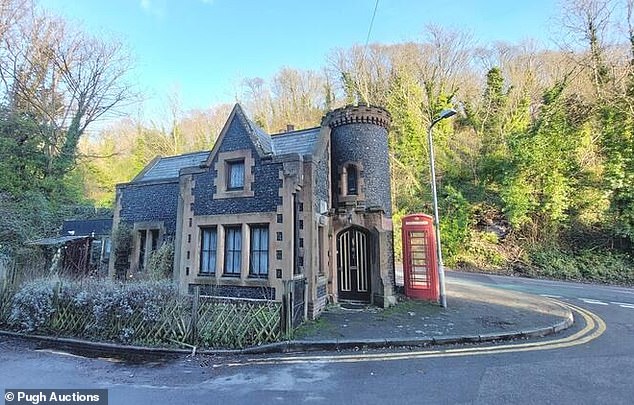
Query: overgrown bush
[
  {"x": 7, "y": 290},
  {"x": 601, "y": 266},
  {"x": 397, "y": 221},
  {"x": 140, "y": 312},
  {"x": 32, "y": 305},
  {"x": 161, "y": 262},
  {"x": 122, "y": 247},
  {"x": 106, "y": 306},
  {"x": 483, "y": 252},
  {"x": 454, "y": 225}
]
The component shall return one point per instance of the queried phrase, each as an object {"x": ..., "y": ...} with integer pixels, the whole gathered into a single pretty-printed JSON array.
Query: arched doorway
[{"x": 353, "y": 265}]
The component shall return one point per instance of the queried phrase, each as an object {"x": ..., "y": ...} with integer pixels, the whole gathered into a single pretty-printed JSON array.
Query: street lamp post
[{"x": 441, "y": 271}]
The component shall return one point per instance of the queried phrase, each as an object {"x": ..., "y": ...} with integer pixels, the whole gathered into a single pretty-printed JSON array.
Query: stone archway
[{"x": 353, "y": 264}]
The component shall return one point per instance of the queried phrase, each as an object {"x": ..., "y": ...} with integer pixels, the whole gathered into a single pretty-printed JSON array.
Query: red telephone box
[{"x": 420, "y": 272}]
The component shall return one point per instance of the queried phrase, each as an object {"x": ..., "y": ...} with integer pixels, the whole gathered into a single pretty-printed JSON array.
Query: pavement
[{"x": 474, "y": 314}]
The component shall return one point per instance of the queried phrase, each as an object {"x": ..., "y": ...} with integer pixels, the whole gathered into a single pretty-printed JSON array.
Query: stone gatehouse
[{"x": 305, "y": 212}]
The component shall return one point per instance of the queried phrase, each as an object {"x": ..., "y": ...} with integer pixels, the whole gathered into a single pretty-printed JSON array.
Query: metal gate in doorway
[{"x": 353, "y": 265}]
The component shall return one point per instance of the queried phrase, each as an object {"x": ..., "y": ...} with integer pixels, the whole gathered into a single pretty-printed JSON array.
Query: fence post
[
  {"x": 287, "y": 309},
  {"x": 193, "y": 330},
  {"x": 56, "y": 290},
  {"x": 283, "y": 328}
]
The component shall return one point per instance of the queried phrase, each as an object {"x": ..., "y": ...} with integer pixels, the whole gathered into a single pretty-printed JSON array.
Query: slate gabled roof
[
  {"x": 165, "y": 168},
  {"x": 302, "y": 141},
  {"x": 261, "y": 137},
  {"x": 55, "y": 240},
  {"x": 86, "y": 227}
]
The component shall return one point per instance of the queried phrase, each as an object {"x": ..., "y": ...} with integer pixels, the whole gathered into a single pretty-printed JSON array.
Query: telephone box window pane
[{"x": 419, "y": 277}]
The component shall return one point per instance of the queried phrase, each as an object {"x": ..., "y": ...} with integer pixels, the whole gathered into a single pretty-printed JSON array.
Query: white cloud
[{"x": 155, "y": 8}]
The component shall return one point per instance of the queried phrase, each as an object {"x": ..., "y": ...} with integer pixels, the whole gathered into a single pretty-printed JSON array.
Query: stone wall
[
  {"x": 145, "y": 202},
  {"x": 322, "y": 180}
]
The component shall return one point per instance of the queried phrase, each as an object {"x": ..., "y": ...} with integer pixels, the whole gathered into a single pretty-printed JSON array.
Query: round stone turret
[
  {"x": 359, "y": 114},
  {"x": 360, "y": 159}
]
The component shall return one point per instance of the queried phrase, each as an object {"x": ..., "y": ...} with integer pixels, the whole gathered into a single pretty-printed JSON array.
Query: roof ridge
[
  {"x": 184, "y": 154},
  {"x": 294, "y": 131}
]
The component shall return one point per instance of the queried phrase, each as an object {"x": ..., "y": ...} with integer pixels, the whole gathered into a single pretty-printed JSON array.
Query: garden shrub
[
  {"x": 140, "y": 312},
  {"x": 91, "y": 308},
  {"x": 32, "y": 306},
  {"x": 122, "y": 246},
  {"x": 161, "y": 262}
]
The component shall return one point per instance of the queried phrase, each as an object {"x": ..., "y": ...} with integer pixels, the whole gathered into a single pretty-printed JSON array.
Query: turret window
[
  {"x": 352, "y": 180},
  {"x": 351, "y": 186}
]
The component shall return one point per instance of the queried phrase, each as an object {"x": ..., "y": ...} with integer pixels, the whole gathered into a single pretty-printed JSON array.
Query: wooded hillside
[{"x": 536, "y": 174}]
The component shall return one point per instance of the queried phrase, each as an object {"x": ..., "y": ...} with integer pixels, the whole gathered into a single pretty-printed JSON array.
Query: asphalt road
[{"x": 596, "y": 371}]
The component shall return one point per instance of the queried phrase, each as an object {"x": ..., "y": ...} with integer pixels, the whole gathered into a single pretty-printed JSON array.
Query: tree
[
  {"x": 547, "y": 185},
  {"x": 20, "y": 156},
  {"x": 12, "y": 11},
  {"x": 587, "y": 21},
  {"x": 408, "y": 146},
  {"x": 296, "y": 97},
  {"x": 498, "y": 115},
  {"x": 363, "y": 73},
  {"x": 64, "y": 79}
]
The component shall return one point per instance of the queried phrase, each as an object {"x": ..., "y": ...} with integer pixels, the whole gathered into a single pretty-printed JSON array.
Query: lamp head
[{"x": 449, "y": 112}]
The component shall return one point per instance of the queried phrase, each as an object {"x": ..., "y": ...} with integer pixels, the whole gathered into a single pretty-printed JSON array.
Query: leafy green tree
[
  {"x": 544, "y": 187},
  {"x": 455, "y": 224},
  {"x": 618, "y": 144},
  {"x": 21, "y": 163},
  {"x": 409, "y": 156},
  {"x": 63, "y": 79}
]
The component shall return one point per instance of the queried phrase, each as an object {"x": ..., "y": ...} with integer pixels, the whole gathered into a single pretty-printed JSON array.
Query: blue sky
[{"x": 204, "y": 48}]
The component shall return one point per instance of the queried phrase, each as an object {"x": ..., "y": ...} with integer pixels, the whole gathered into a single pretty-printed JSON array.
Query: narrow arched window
[{"x": 352, "y": 180}]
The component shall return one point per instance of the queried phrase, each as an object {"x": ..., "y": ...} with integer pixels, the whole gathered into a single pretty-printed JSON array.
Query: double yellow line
[{"x": 594, "y": 327}]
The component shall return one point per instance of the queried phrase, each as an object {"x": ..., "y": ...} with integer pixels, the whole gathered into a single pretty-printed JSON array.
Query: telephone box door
[{"x": 420, "y": 273}]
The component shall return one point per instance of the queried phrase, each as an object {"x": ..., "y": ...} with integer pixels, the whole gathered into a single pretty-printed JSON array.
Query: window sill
[
  {"x": 233, "y": 194},
  {"x": 350, "y": 198}
]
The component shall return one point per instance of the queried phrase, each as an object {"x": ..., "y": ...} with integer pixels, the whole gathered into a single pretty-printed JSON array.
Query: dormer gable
[{"x": 240, "y": 133}]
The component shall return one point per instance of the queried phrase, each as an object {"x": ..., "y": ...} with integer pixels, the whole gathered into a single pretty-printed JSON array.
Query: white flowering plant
[{"x": 90, "y": 308}]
